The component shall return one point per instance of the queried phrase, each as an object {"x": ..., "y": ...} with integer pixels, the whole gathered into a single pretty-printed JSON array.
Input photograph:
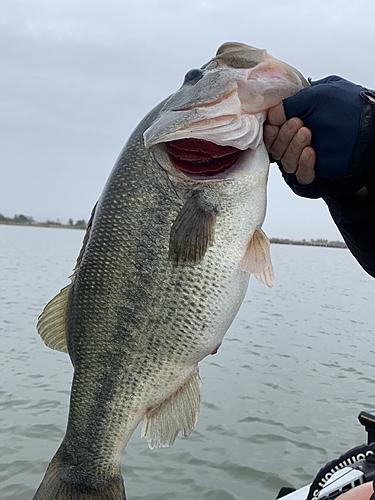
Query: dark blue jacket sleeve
[{"x": 355, "y": 219}]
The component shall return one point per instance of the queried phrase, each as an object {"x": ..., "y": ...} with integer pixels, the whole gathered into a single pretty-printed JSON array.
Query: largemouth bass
[{"x": 164, "y": 267}]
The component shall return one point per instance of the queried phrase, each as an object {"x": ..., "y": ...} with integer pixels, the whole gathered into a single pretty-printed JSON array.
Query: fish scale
[
  {"x": 162, "y": 273},
  {"x": 195, "y": 285}
]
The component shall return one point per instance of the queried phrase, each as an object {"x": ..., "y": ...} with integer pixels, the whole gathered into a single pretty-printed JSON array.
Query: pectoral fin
[
  {"x": 193, "y": 231},
  {"x": 51, "y": 324},
  {"x": 177, "y": 414},
  {"x": 257, "y": 259}
]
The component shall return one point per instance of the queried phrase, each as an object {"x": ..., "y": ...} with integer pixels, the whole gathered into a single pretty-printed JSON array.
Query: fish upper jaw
[
  {"x": 225, "y": 121},
  {"x": 240, "y": 55}
]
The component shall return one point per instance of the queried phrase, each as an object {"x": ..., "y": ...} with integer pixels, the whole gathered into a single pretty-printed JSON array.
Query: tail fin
[{"x": 56, "y": 486}]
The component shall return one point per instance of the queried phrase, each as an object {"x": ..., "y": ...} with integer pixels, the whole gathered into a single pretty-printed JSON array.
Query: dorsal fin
[{"x": 51, "y": 324}]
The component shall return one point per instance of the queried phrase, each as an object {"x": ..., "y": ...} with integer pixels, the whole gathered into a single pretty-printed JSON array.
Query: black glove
[{"x": 341, "y": 117}]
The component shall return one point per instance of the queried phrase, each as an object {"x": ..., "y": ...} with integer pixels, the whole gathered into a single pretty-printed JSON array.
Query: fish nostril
[{"x": 193, "y": 74}]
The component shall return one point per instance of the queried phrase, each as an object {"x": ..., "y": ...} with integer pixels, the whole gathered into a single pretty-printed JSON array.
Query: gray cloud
[{"x": 77, "y": 77}]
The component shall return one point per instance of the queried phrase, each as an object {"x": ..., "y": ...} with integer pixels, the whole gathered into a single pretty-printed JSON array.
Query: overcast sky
[{"x": 78, "y": 75}]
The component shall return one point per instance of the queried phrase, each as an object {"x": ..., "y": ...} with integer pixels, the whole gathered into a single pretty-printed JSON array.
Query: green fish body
[{"x": 164, "y": 268}]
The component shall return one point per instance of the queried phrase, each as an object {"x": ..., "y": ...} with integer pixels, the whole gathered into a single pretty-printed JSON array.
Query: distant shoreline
[
  {"x": 309, "y": 243},
  {"x": 55, "y": 225},
  {"x": 275, "y": 241}
]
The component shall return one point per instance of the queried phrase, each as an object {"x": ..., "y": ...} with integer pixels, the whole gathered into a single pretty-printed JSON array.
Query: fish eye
[{"x": 192, "y": 75}]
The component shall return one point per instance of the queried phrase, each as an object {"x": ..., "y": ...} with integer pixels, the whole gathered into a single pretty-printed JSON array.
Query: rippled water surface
[{"x": 280, "y": 398}]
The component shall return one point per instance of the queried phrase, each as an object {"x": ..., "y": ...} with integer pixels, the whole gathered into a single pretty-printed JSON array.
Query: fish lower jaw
[
  {"x": 202, "y": 160},
  {"x": 226, "y": 173}
]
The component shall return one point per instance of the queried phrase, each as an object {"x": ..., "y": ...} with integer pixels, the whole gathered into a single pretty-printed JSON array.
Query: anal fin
[
  {"x": 179, "y": 413},
  {"x": 257, "y": 259}
]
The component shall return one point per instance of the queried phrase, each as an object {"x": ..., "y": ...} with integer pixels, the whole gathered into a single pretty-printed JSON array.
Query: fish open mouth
[{"x": 200, "y": 157}]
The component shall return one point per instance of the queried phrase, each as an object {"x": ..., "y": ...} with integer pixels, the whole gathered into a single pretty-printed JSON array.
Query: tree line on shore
[
  {"x": 320, "y": 242},
  {"x": 27, "y": 220}
]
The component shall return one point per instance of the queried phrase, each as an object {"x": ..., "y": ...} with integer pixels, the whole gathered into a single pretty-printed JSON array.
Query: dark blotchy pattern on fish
[{"x": 135, "y": 321}]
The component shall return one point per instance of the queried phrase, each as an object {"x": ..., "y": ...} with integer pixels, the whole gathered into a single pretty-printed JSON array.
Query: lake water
[{"x": 280, "y": 399}]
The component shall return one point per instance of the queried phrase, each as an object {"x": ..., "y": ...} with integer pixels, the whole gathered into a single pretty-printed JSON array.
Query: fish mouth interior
[{"x": 200, "y": 157}]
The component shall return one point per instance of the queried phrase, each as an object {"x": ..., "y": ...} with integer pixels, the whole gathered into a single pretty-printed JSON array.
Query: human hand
[
  {"x": 337, "y": 118},
  {"x": 362, "y": 492},
  {"x": 289, "y": 142}
]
